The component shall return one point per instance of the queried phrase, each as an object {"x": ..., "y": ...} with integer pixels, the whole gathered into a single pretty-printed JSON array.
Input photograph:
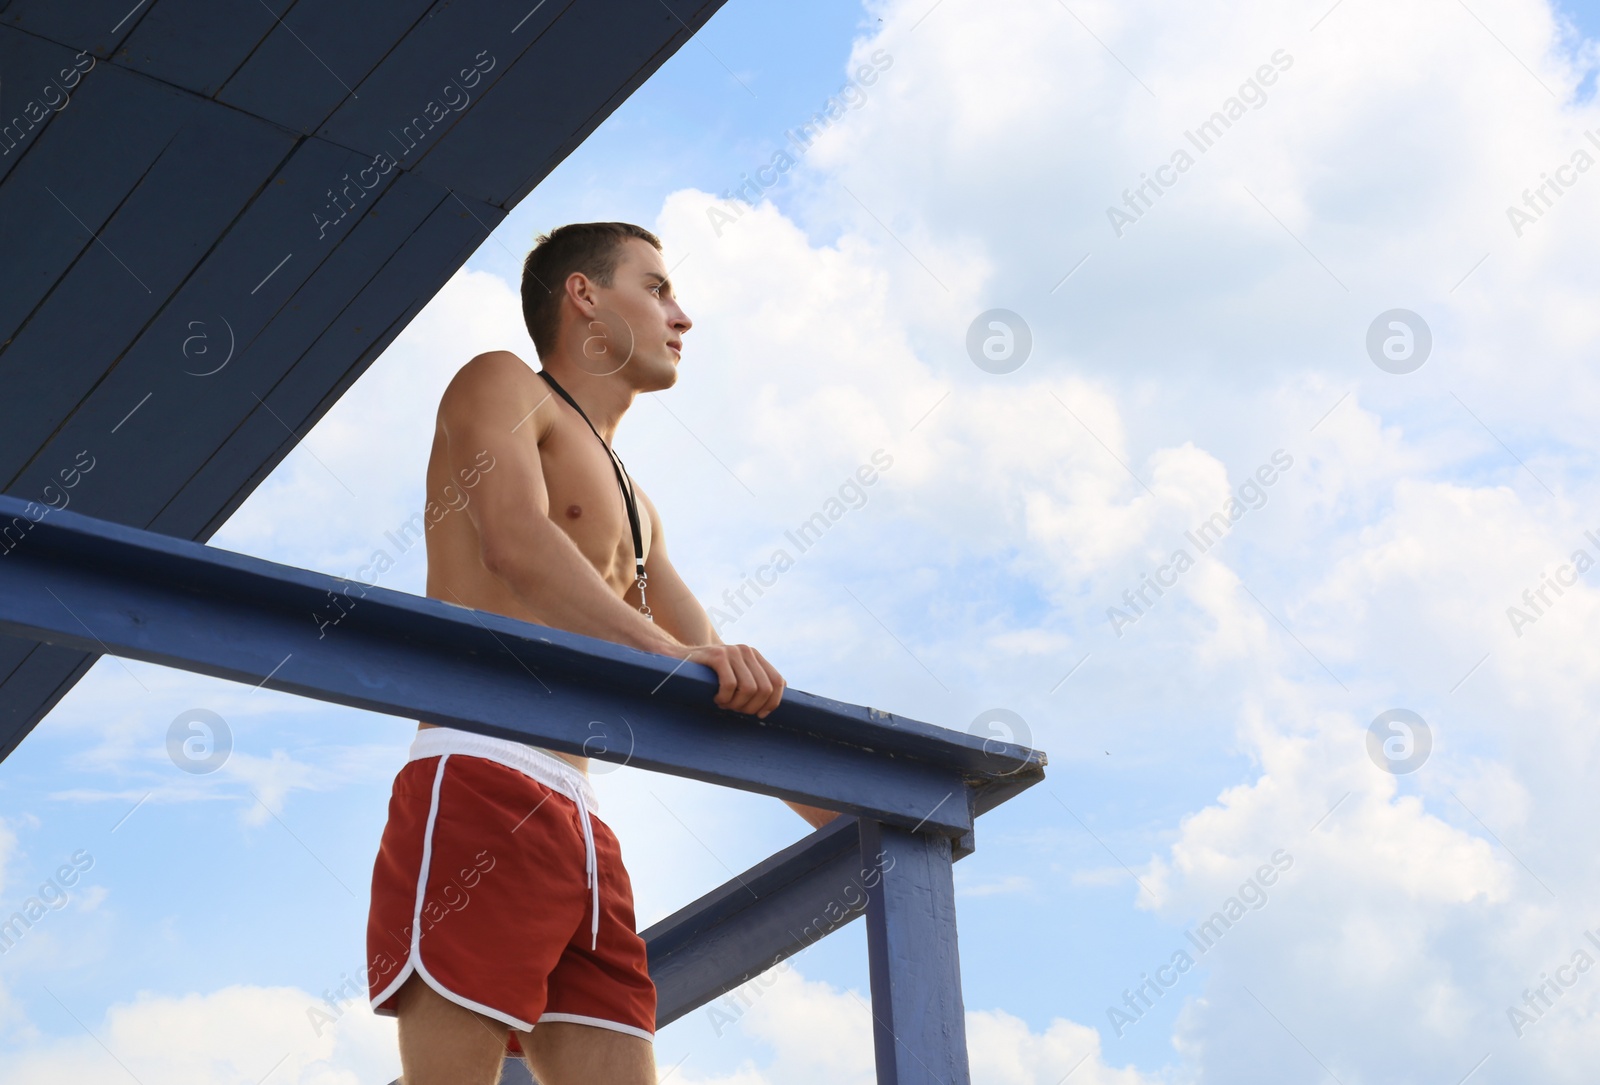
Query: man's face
[{"x": 638, "y": 329}]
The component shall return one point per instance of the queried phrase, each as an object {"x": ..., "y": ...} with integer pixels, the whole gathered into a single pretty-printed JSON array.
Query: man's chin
[{"x": 661, "y": 377}]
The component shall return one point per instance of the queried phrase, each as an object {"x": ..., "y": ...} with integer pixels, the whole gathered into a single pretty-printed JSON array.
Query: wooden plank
[
  {"x": 37, "y": 677},
  {"x": 198, "y": 44},
  {"x": 541, "y": 101},
  {"x": 919, "y": 1026},
  {"x": 119, "y": 122},
  {"x": 42, "y": 79},
  {"x": 90, "y": 584},
  {"x": 320, "y": 54},
  {"x": 443, "y": 72},
  {"x": 96, "y": 25}
]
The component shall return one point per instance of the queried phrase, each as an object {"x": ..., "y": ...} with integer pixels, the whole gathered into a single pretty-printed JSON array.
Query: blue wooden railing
[{"x": 912, "y": 791}]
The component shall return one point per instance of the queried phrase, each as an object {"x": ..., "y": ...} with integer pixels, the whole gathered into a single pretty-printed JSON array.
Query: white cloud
[
  {"x": 235, "y": 1036},
  {"x": 92, "y": 897},
  {"x": 8, "y": 851},
  {"x": 816, "y": 1032}
]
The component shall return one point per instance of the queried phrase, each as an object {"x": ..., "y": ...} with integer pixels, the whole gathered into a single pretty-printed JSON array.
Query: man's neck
[{"x": 605, "y": 399}]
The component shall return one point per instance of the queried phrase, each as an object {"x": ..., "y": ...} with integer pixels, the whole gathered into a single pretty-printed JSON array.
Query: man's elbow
[
  {"x": 504, "y": 541},
  {"x": 499, "y": 559},
  {"x": 492, "y": 558}
]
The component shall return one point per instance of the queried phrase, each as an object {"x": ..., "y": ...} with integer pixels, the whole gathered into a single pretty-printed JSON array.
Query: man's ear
[{"x": 581, "y": 292}]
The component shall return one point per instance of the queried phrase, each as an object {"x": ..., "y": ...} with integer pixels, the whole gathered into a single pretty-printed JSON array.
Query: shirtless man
[{"x": 492, "y": 850}]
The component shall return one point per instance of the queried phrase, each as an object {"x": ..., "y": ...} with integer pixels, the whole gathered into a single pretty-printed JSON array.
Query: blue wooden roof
[{"x": 215, "y": 214}]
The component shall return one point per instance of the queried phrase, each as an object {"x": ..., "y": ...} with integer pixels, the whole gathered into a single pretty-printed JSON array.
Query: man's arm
[
  {"x": 678, "y": 612},
  {"x": 498, "y": 405}
]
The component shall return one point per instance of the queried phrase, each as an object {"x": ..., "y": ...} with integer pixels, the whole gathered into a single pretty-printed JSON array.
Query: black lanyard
[{"x": 624, "y": 483}]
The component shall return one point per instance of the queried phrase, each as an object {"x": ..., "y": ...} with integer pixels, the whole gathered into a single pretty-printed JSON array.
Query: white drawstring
[{"x": 591, "y": 869}]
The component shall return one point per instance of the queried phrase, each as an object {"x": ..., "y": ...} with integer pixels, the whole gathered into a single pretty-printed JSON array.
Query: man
[{"x": 499, "y": 901}]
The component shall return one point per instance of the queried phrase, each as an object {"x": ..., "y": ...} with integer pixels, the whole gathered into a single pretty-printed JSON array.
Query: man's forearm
[
  {"x": 556, "y": 582},
  {"x": 681, "y": 615}
]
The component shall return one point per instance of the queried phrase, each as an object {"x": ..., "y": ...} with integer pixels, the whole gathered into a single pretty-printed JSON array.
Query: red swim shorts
[{"x": 486, "y": 884}]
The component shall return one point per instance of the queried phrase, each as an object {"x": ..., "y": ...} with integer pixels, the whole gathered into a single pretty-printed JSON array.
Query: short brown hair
[{"x": 594, "y": 248}]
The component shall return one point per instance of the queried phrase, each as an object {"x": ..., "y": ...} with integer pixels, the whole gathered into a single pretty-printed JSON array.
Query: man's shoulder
[
  {"x": 499, "y": 368},
  {"x": 494, "y": 374},
  {"x": 486, "y": 388}
]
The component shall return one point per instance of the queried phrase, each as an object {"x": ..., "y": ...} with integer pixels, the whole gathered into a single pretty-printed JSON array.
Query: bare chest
[{"x": 587, "y": 503}]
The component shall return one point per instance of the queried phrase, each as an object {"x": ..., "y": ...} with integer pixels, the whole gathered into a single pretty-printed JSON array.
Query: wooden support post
[{"x": 919, "y": 1027}]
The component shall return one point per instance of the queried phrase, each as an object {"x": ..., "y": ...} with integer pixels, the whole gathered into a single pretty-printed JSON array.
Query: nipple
[{"x": 574, "y": 511}]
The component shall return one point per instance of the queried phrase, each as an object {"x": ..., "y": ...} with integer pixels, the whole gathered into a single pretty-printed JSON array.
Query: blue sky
[{"x": 1227, "y": 324}]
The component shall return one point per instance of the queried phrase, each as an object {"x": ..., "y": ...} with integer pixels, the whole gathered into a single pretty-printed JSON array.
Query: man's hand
[{"x": 746, "y": 682}]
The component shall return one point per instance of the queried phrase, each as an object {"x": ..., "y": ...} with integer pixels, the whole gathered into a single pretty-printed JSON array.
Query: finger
[
  {"x": 742, "y": 697},
  {"x": 761, "y": 700},
  {"x": 777, "y": 681},
  {"x": 727, "y": 681},
  {"x": 746, "y": 698}
]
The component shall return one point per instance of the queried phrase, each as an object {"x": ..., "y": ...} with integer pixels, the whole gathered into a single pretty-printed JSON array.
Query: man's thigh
[
  {"x": 565, "y": 1053},
  {"x": 442, "y": 1043}
]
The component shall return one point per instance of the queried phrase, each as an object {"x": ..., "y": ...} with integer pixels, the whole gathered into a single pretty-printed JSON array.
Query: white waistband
[{"x": 554, "y": 772}]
